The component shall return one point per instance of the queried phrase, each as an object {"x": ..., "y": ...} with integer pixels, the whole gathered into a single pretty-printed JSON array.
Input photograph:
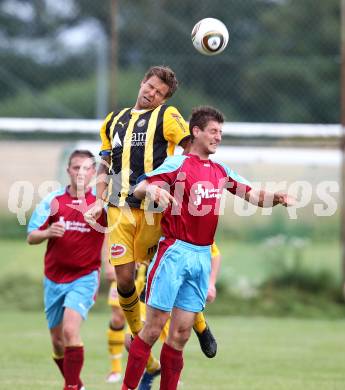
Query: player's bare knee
[
  {"x": 153, "y": 334},
  {"x": 125, "y": 276},
  {"x": 69, "y": 334},
  {"x": 125, "y": 286},
  {"x": 117, "y": 318},
  {"x": 150, "y": 334},
  {"x": 58, "y": 344},
  {"x": 179, "y": 337}
]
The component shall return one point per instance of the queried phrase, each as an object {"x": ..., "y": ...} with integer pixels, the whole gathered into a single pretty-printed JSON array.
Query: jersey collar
[
  {"x": 86, "y": 193},
  {"x": 195, "y": 156}
]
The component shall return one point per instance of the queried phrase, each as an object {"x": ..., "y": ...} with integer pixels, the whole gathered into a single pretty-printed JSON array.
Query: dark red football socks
[
  {"x": 139, "y": 353},
  {"x": 72, "y": 365},
  {"x": 171, "y": 367}
]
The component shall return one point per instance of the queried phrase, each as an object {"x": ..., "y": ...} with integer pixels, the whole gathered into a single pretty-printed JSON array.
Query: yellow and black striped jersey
[{"x": 138, "y": 141}]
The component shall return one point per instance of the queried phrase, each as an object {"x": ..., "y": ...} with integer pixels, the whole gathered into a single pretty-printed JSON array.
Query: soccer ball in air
[{"x": 210, "y": 36}]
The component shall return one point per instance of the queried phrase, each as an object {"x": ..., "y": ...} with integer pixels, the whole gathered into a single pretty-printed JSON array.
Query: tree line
[{"x": 282, "y": 63}]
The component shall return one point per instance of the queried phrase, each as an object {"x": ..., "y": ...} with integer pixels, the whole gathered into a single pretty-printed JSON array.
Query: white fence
[{"x": 92, "y": 126}]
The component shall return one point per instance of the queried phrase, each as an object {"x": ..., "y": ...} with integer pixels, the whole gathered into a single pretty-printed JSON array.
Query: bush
[
  {"x": 76, "y": 98},
  {"x": 290, "y": 288}
]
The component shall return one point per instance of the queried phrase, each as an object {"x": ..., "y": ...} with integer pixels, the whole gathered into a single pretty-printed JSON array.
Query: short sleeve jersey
[
  {"x": 78, "y": 251},
  {"x": 138, "y": 142},
  {"x": 197, "y": 185}
]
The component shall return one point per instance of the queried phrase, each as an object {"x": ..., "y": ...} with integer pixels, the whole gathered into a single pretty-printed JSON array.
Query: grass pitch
[
  {"x": 253, "y": 354},
  {"x": 239, "y": 258}
]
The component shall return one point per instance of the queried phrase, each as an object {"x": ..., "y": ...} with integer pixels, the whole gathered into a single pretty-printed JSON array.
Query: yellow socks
[
  {"x": 165, "y": 331},
  {"x": 131, "y": 307},
  {"x": 116, "y": 340},
  {"x": 152, "y": 364},
  {"x": 199, "y": 323}
]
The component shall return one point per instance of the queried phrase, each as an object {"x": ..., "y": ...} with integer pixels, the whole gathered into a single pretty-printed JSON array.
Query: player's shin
[
  {"x": 59, "y": 362},
  {"x": 73, "y": 363},
  {"x": 139, "y": 353},
  {"x": 131, "y": 307},
  {"x": 116, "y": 339},
  {"x": 171, "y": 367}
]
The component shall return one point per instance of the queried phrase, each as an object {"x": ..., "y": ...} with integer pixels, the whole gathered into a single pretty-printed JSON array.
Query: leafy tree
[{"x": 282, "y": 63}]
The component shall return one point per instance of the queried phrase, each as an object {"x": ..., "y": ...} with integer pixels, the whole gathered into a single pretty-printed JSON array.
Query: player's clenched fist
[
  {"x": 55, "y": 230},
  {"x": 162, "y": 197},
  {"x": 285, "y": 199},
  {"x": 211, "y": 293},
  {"x": 94, "y": 212}
]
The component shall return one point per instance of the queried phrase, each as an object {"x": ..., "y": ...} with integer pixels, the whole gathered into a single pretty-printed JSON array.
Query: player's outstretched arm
[
  {"x": 108, "y": 269},
  {"x": 155, "y": 193},
  {"x": 263, "y": 198},
  {"x": 140, "y": 189},
  {"x": 102, "y": 178},
  {"x": 102, "y": 182},
  {"x": 55, "y": 230}
]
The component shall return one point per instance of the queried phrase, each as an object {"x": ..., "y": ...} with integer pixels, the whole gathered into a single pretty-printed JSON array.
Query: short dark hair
[
  {"x": 81, "y": 153},
  {"x": 201, "y": 116},
  {"x": 166, "y": 74}
]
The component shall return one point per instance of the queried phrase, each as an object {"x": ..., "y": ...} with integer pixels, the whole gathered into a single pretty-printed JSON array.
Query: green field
[
  {"x": 254, "y": 353},
  {"x": 246, "y": 266},
  {"x": 250, "y": 259}
]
